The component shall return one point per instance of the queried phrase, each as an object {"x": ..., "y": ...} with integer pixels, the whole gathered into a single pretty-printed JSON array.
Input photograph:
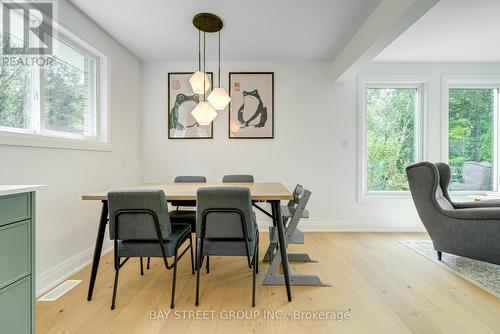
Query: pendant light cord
[
  {"x": 199, "y": 50},
  {"x": 204, "y": 61},
  {"x": 218, "y": 76}
]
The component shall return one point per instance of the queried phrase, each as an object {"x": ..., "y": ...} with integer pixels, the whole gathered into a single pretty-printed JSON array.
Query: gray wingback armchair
[{"x": 469, "y": 229}]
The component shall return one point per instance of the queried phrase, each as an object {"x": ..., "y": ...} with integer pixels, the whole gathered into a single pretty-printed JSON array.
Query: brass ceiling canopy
[{"x": 207, "y": 22}]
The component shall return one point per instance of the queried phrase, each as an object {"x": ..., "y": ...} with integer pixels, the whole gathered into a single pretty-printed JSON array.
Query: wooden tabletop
[{"x": 187, "y": 191}]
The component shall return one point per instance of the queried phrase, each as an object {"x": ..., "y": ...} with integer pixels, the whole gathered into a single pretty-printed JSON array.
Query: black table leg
[
  {"x": 282, "y": 246},
  {"x": 98, "y": 247}
]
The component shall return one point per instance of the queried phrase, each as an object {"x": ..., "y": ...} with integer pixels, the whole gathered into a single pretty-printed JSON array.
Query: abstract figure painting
[
  {"x": 181, "y": 101},
  {"x": 251, "y": 111}
]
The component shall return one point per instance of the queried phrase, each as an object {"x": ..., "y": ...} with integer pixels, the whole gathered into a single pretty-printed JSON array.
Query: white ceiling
[
  {"x": 452, "y": 31},
  {"x": 257, "y": 30}
]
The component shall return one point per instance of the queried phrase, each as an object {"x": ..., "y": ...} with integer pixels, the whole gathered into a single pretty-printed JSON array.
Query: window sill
[
  {"x": 376, "y": 196},
  {"x": 8, "y": 138}
]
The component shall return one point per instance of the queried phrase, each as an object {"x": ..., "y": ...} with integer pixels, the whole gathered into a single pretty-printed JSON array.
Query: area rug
[{"x": 482, "y": 274}]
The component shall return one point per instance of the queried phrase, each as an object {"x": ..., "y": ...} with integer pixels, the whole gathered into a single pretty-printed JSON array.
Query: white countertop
[{"x": 8, "y": 189}]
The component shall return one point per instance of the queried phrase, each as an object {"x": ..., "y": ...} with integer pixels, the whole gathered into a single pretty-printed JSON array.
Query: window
[
  {"x": 472, "y": 127},
  {"x": 68, "y": 92},
  {"x": 16, "y": 97},
  {"x": 391, "y": 135},
  {"x": 63, "y": 99}
]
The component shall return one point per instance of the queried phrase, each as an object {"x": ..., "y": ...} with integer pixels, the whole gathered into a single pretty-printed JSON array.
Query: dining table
[{"x": 260, "y": 192}]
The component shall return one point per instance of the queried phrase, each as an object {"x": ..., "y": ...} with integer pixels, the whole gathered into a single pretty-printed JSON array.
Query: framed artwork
[
  {"x": 251, "y": 110},
  {"x": 181, "y": 101}
]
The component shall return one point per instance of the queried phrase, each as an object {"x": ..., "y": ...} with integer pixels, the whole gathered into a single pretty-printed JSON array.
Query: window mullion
[
  {"x": 496, "y": 147},
  {"x": 36, "y": 108}
]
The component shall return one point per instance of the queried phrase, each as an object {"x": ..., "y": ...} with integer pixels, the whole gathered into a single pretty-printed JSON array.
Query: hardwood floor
[{"x": 384, "y": 287}]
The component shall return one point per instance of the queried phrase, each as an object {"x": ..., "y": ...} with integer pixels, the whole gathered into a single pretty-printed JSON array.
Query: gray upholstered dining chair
[
  {"x": 179, "y": 216},
  {"x": 469, "y": 229},
  {"x": 233, "y": 178},
  {"x": 237, "y": 178},
  {"x": 226, "y": 227},
  {"x": 185, "y": 216},
  {"x": 140, "y": 226}
]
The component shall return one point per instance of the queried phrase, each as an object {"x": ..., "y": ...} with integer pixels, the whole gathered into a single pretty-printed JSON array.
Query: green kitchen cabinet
[{"x": 17, "y": 259}]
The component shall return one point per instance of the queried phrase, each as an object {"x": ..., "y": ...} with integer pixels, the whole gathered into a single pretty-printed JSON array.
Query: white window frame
[
  {"x": 365, "y": 82},
  {"x": 101, "y": 139},
  {"x": 452, "y": 81}
]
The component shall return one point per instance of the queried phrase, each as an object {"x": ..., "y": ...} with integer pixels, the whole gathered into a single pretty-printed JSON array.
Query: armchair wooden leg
[
  {"x": 208, "y": 264},
  {"x": 149, "y": 261},
  {"x": 142, "y": 267},
  {"x": 439, "y": 254}
]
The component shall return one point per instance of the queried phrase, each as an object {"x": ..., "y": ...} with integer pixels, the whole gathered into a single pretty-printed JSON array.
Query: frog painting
[
  {"x": 181, "y": 101},
  {"x": 251, "y": 111}
]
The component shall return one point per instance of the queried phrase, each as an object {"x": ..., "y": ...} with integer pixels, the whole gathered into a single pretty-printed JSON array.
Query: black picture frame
[
  {"x": 169, "y": 106},
  {"x": 272, "y": 104}
]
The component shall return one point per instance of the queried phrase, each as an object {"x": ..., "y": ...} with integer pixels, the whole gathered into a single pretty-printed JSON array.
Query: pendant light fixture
[
  {"x": 219, "y": 97},
  {"x": 199, "y": 81},
  {"x": 204, "y": 112}
]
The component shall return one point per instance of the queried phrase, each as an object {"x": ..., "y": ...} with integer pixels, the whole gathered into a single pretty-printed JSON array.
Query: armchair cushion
[{"x": 474, "y": 214}]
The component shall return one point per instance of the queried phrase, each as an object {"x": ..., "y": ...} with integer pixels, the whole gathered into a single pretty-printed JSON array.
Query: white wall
[
  {"x": 315, "y": 140},
  {"x": 66, "y": 226}
]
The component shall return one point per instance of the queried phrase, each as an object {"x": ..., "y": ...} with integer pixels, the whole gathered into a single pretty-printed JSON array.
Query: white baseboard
[
  {"x": 307, "y": 225},
  {"x": 61, "y": 272}
]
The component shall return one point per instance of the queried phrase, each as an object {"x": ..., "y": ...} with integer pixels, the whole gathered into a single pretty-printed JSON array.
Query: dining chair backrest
[
  {"x": 238, "y": 178},
  {"x": 224, "y": 213},
  {"x": 188, "y": 179},
  {"x": 138, "y": 215}
]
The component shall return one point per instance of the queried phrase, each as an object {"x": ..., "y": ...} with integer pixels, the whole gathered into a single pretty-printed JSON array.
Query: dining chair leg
[
  {"x": 196, "y": 253},
  {"x": 254, "y": 269},
  {"x": 174, "y": 279},
  {"x": 149, "y": 261},
  {"x": 208, "y": 264},
  {"x": 191, "y": 250},
  {"x": 198, "y": 262},
  {"x": 142, "y": 267},
  {"x": 257, "y": 255},
  {"x": 257, "y": 261},
  {"x": 115, "y": 286}
]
